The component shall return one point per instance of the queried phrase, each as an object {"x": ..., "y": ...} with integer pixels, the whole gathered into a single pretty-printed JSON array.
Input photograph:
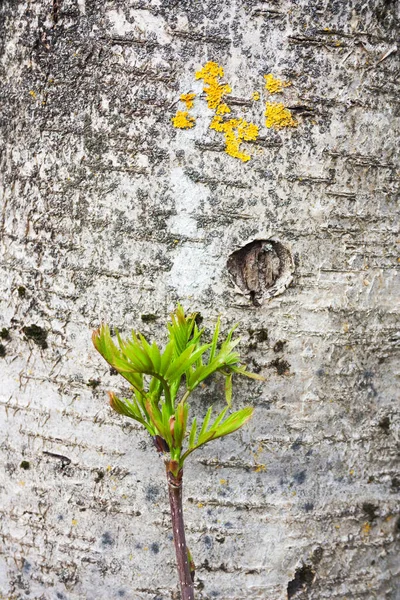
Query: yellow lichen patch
[
  {"x": 223, "y": 109},
  {"x": 255, "y": 96},
  {"x": 236, "y": 131},
  {"x": 366, "y": 528},
  {"x": 33, "y": 94},
  {"x": 259, "y": 468},
  {"x": 278, "y": 116},
  {"x": 188, "y": 99},
  {"x": 214, "y": 91},
  {"x": 182, "y": 120},
  {"x": 274, "y": 85},
  {"x": 210, "y": 72}
]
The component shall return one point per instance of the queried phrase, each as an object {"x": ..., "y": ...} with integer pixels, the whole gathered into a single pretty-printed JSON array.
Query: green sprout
[{"x": 161, "y": 383}]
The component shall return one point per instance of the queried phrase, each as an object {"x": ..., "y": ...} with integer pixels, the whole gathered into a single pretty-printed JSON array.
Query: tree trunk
[{"x": 109, "y": 212}]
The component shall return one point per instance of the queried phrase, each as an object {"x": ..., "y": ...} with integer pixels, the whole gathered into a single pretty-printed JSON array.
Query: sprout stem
[{"x": 175, "y": 500}]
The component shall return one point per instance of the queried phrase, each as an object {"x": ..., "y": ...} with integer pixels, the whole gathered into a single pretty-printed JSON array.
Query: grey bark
[{"x": 108, "y": 212}]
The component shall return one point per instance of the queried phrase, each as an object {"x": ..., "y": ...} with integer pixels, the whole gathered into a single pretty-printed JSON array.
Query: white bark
[{"x": 108, "y": 212}]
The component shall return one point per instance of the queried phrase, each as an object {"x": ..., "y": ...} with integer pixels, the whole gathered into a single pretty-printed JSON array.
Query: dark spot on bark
[
  {"x": 300, "y": 477},
  {"x": 21, "y": 291},
  {"x": 257, "y": 336},
  {"x": 370, "y": 510},
  {"x": 396, "y": 483},
  {"x": 37, "y": 335},
  {"x": 397, "y": 526},
  {"x": 365, "y": 383},
  {"x": 282, "y": 366},
  {"x": 155, "y": 548},
  {"x": 106, "y": 539},
  {"x": 149, "y": 318},
  {"x": 261, "y": 335},
  {"x": 61, "y": 596},
  {"x": 384, "y": 424},
  {"x": 308, "y": 507},
  {"x": 5, "y": 334},
  {"x": 321, "y": 372},
  {"x": 208, "y": 542},
  {"x": 93, "y": 383},
  {"x": 113, "y": 371},
  {"x": 99, "y": 476},
  {"x": 303, "y": 578},
  {"x": 10, "y": 468},
  {"x": 2, "y": 351},
  {"x": 278, "y": 347},
  {"x": 228, "y": 525},
  {"x": 152, "y": 493},
  {"x": 317, "y": 555},
  {"x": 296, "y": 445},
  {"x": 198, "y": 319},
  {"x": 25, "y": 465},
  {"x": 121, "y": 593},
  {"x": 26, "y": 566},
  {"x": 220, "y": 538}
]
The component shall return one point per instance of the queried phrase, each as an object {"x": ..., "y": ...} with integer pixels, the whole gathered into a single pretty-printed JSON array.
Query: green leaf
[
  {"x": 205, "y": 422},
  {"x": 103, "y": 343},
  {"x": 137, "y": 356},
  {"x": 219, "y": 418},
  {"x": 234, "y": 422},
  {"x": 166, "y": 419},
  {"x": 231, "y": 424},
  {"x": 155, "y": 387},
  {"x": 156, "y": 419},
  {"x": 166, "y": 358},
  {"x": 242, "y": 371},
  {"x": 181, "y": 414},
  {"x": 228, "y": 389},
  {"x": 180, "y": 329},
  {"x": 192, "y": 435},
  {"x": 184, "y": 361},
  {"x": 131, "y": 410},
  {"x": 214, "y": 341}
]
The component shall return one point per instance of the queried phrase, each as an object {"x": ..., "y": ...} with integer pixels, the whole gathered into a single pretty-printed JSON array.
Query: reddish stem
[{"x": 175, "y": 501}]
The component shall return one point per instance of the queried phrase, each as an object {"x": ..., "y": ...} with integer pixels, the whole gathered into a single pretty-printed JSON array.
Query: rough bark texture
[{"x": 108, "y": 212}]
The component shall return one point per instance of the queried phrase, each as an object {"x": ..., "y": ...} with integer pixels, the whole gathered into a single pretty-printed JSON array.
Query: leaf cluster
[{"x": 162, "y": 381}]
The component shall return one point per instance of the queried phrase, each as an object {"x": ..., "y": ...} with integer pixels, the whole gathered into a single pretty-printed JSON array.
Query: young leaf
[
  {"x": 182, "y": 364},
  {"x": 242, "y": 371},
  {"x": 166, "y": 358},
  {"x": 234, "y": 422},
  {"x": 228, "y": 389},
  {"x": 129, "y": 409},
  {"x": 214, "y": 341},
  {"x": 205, "y": 422},
  {"x": 192, "y": 435},
  {"x": 219, "y": 418}
]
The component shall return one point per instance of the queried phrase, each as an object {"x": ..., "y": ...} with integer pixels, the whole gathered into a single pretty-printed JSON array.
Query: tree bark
[{"x": 109, "y": 213}]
